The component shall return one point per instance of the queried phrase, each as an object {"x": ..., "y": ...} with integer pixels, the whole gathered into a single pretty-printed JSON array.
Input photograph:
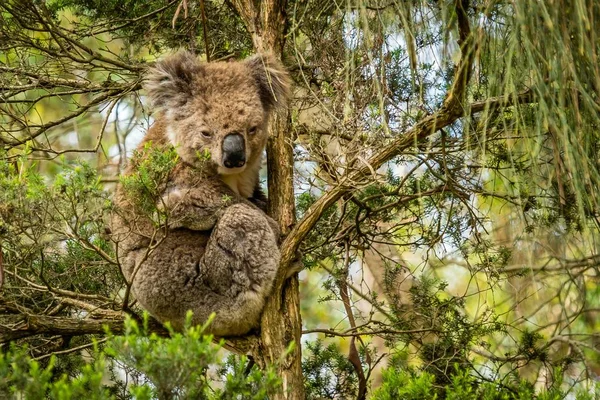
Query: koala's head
[{"x": 219, "y": 108}]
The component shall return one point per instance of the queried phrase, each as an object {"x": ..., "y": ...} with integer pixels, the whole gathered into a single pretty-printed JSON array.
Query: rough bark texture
[
  {"x": 281, "y": 323},
  {"x": 39, "y": 324}
]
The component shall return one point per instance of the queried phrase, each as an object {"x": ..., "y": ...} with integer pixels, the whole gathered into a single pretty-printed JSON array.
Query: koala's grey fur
[{"x": 219, "y": 251}]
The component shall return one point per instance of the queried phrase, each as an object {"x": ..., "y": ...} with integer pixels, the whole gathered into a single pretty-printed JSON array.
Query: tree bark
[
  {"x": 281, "y": 324},
  {"x": 31, "y": 325}
]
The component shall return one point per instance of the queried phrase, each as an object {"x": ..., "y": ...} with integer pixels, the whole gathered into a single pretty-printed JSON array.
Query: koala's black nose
[{"x": 234, "y": 151}]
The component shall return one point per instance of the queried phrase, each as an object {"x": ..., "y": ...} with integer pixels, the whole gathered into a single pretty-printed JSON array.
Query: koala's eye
[
  {"x": 252, "y": 130},
  {"x": 206, "y": 134}
]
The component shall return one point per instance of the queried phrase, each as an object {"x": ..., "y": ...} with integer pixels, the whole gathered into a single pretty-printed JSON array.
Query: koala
[{"x": 217, "y": 251}]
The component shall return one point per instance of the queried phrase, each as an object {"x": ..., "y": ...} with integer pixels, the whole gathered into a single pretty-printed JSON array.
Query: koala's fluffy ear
[
  {"x": 272, "y": 79},
  {"x": 168, "y": 83}
]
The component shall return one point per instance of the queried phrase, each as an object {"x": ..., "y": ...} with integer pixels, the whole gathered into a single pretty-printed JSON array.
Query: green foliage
[
  {"x": 243, "y": 383},
  {"x": 151, "y": 168},
  {"x": 19, "y": 373},
  {"x": 87, "y": 384},
  {"x": 24, "y": 377},
  {"x": 411, "y": 384},
  {"x": 327, "y": 373},
  {"x": 176, "y": 365},
  {"x": 404, "y": 385},
  {"x": 173, "y": 367},
  {"x": 53, "y": 233},
  {"x": 452, "y": 332},
  {"x": 23, "y": 192},
  {"x": 141, "y": 26},
  {"x": 529, "y": 346}
]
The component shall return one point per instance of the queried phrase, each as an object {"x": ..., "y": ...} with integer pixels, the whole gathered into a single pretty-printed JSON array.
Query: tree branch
[
  {"x": 32, "y": 325},
  {"x": 502, "y": 101},
  {"x": 450, "y": 111},
  {"x": 28, "y": 325}
]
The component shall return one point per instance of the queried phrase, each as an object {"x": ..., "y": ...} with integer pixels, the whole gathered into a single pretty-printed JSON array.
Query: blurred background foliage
[{"x": 466, "y": 266}]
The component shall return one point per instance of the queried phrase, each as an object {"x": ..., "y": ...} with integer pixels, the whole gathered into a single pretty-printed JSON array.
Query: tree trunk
[{"x": 281, "y": 324}]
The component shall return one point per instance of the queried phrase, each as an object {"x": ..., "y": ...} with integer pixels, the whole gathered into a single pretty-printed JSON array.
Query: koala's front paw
[{"x": 183, "y": 210}]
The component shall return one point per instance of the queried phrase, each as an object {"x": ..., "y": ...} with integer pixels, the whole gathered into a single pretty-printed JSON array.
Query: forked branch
[{"x": 451, "y": 110}]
